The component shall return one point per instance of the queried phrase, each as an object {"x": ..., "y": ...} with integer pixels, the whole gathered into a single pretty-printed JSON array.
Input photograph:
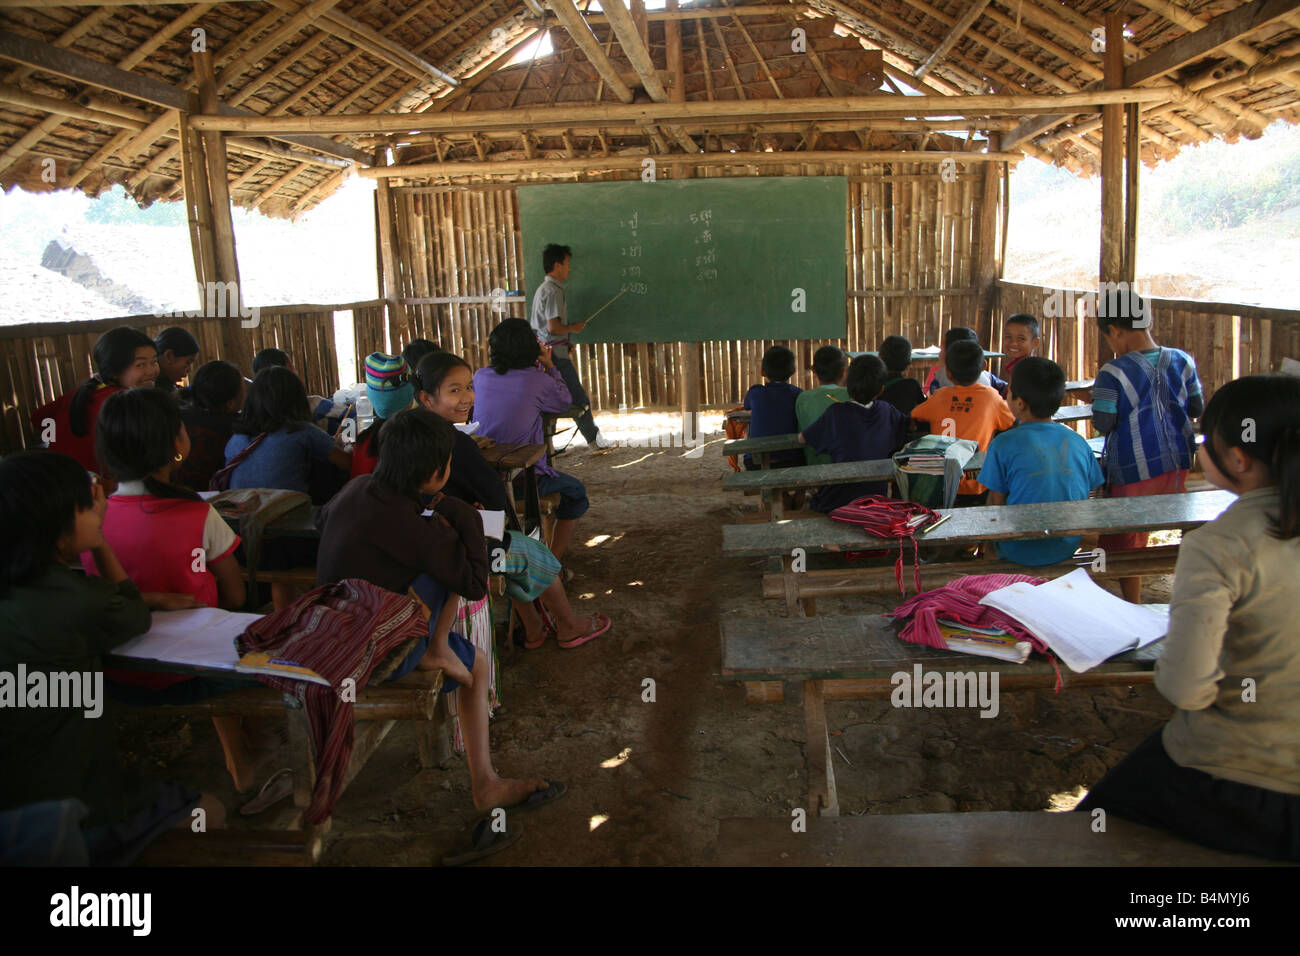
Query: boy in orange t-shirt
[{"x": 966, "y": 410}]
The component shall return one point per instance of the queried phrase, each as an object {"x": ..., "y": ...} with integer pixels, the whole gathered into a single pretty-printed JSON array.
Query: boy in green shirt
[{"x": 830, "y": 365}]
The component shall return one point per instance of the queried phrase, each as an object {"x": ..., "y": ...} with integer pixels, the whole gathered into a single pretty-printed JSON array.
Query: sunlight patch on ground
[
  {"x": 618, "y": 760},
  {"x": 596, "y": 821},
  {"x": 1066, "y": 801}
]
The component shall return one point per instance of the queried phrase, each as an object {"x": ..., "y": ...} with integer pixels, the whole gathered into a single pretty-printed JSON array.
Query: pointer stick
[{"x": 604, "y": 307}]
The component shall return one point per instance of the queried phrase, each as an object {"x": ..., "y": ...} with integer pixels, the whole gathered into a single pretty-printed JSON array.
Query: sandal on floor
[
  {"x": 483, "y": 842},
  {"x": 278, "y": 786},
  {"x": 555, "y": 789},
  {"x": 592, "y": 635}
]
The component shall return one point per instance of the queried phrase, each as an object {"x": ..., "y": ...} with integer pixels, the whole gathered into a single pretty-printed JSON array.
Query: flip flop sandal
[
  {"x": 483, "y": 842},
  {"x": 278, "y": 786},
  {"x": 555, "y": 789},
  {"x": 600, "y": 629}
]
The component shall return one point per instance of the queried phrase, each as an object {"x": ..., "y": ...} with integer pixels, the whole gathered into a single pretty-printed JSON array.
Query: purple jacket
[{"x": 509, "y": 407}]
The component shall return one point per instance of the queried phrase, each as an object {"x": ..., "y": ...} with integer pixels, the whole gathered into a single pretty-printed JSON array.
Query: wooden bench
[
  {"x": 862, "y": 648},
  {"x": 963, "y": 839},
  {"x": 965, "y": 526},
  {"x": 233, "y": 847}
]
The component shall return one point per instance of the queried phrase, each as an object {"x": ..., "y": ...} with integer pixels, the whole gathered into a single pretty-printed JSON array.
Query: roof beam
[
  {"x": 108, "y": 3},
  {"x": 1219, "y": 32},
  {"x": 566, "y": 11},
  {"x": 956, "y": 33},
  {"x": 629, "y": 38},
  {"x": 50, "y": 59}
]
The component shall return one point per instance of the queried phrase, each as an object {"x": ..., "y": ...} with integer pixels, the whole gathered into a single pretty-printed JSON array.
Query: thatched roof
[{"x": 1229, "y": 68}]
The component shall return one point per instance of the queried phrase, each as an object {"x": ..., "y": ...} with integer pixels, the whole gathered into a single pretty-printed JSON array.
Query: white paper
[
  {"x": 1083, "y": 623},
  {"x": 199, "y": 637},
  {"x": 208, "y": 495},
  {"x": 494, "y": 522},
  {"x": 468, "y": 428}
]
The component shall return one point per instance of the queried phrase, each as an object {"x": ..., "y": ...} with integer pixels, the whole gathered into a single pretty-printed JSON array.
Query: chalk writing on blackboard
[
  {"x": 631, "y": 251},
  {"x": 706, "y": 258}
]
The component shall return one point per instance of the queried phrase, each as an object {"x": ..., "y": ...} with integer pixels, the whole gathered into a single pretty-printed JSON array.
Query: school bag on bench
[
  {"x": 929, "y": 470},
  {"x": 890, "y": 518}
]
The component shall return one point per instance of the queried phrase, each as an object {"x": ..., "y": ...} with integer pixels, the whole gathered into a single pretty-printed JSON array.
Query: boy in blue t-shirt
[
  {"x": 1039, "y": 459},
  {"x": 1143, "y": 401},
  {"x": 861, "y": 429},
  {"x": 771, "y": 406}
]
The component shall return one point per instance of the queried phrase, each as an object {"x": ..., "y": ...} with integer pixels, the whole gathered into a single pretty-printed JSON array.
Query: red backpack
[{"x": 890, "y": 518}]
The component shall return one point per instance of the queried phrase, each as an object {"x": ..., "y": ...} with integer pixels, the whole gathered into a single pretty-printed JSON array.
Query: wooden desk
[{"x": 512, "y": 460}]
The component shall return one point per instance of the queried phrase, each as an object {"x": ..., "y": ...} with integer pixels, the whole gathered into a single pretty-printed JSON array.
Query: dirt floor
[{"x": 648, "y": 782}]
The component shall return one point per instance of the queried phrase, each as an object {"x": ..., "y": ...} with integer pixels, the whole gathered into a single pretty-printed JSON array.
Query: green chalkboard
[{"x": 700, "y": 259}]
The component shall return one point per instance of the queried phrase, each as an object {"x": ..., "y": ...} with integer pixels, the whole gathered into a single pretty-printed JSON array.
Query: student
[
  {"x": 1039, "y": 459},
  {"x": 276, "y": 412},
  {"x": 159, "y": 530},
  {"x": 269, "y": 357},
  {"x": 511, "y": 394},
  {"x": 772, "y": 406},
  {"x": 177, "y": 350},
  {"x": 417, "y": 349},
  {"x": 1019, "y": 341},
  {"x": 373, "y": 530},
  {"x": 124, "y": 358},
  {"x": 902, "y": 392},
  {"x": 1225, "y": 770},
  {"x": 1143, "y": 401},
  {"x": 830, "y": 365},
  {"x": 861, "y": 429},
  {"x": 938, "y": 377},
  {"x": 209, "y": 408},
  {"x": 967, "y": 409},
  {"x": 390, "y": 390},
  {"x": 54, "y": 620},
  {"x": 531, "y": 570}
]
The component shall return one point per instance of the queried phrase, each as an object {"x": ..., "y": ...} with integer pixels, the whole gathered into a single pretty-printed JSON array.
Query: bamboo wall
[{"x": 910, "y": 248}]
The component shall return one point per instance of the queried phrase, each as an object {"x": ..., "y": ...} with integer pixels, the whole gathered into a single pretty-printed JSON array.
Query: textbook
[
  {"x": 1082, "y": 623},
  {"x": 198, "y": 637},
  {"x": 260, "y": 662},
  {"x": 983, "y": 641}
]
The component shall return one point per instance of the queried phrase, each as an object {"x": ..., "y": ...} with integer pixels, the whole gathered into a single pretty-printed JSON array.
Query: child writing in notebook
[
  {"x": 861, "y": 429},
  {"x": 1143, "y": 401},
  {"x": 1225, "y": 770},
  {"x": 967, "y": 409},
  {"x": 1039, "y": 459},
  {"x": 830, "y": 365},
  {"x": 55, "y": 620}
]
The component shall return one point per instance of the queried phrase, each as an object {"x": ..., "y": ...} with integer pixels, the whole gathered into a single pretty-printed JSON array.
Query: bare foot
[
  {"x": 505, "y": 792},
  {"x": 451, "y": 665}
]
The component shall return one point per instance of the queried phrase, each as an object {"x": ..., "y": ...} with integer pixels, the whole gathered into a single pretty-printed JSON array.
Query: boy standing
[
  {"x": 1039, "y": 460},
  {"x": 900, "y": 391},
  {"x": 1143, "y": 401},
  {"x": 1019, "y": 340},
  {"x": 771, "y": 405},
  {"x": 861, "y": 429},
  {"x": 830, "y": 366},
  {"x": 966, "y": 409}
]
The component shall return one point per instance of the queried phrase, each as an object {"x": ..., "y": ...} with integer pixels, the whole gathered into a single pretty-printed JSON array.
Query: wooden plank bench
[
  {"x": 963, "y": 839},
  {"x": 862, "y": 648}
]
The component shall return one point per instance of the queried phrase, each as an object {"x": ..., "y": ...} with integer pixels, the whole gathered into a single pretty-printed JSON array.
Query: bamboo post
[
  {"x": 198, "y": 206},
  {"x": 237, "y": 345},
  {"x": 1112, "y": 156},
  {"x": 1132, "y": 166},
  {"x": 986, "y": 270},
  {"x": 388, "y": 266}
]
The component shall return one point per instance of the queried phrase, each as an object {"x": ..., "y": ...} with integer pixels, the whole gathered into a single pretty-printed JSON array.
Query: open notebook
[{"x": 1084, "y": 624}]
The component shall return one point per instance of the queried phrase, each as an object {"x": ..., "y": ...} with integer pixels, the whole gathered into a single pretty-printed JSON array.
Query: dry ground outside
[{"x": 649, "y": 781}]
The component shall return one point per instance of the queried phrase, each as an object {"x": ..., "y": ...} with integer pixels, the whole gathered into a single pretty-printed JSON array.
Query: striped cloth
[
  {"x": 474, "y": 621},
  {"x": 1148, "y": 395},
  {"x": 340, "y": 631},
  {"x": 529, "y": 568}
]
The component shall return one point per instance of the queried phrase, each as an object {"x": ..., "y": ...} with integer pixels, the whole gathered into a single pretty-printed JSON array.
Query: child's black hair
[
  {"x": 434, "y": 369},
  {"x": 964, "y": 360},
  {"x": 114, "y": 353},
  {"x": 512, "y": 344},
  {"x": 417, "y": 349},
  {"x": 866, "y": 378},
  {"x": 1040, "y": 384},
  {"x": 40, "y": 495},
  {"x": 1122, "y": 309},
  {"x": 417, "y": 445},
  {"x": 136, "y": 435},
  {"x": 267, "y": 358},
  {"x": 275, "y": 400},
  {"x": 959, "y": 333},
  {"x": 213, "y": 385},
  {"x": 1025, "y": 319},
  {"x": 176, "y": 340},
  {"x": 896, "y": 353},
  {"x": 778, "y": 363},
  {"x": 829, "y": 363},
  {"x": 1271, "y": 403},
  {"x": 554, "y": 255}
]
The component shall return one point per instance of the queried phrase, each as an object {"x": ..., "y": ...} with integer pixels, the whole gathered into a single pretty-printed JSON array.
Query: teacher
[{"x": 550, "y": 320}]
